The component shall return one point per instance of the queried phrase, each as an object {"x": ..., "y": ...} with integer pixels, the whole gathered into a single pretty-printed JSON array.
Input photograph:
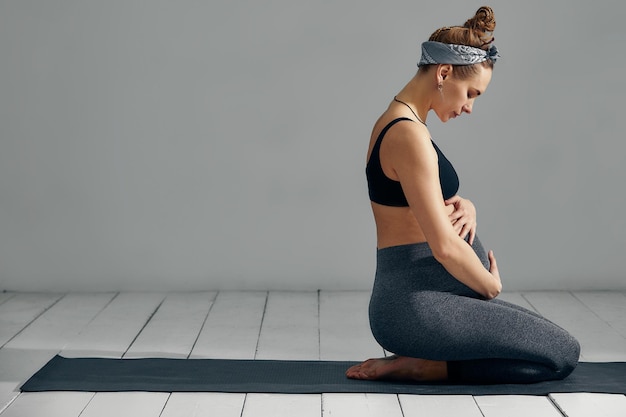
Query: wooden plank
[
  {"x": 110, "y": 334},
  {"x": 231, "y": 330},
  {"x": 42, "y": 339},
  {"x": 609, "y": 306},
  {"x": 439, "y": 405},
  {"x": 174, "y": 328},
  {"x": 16, "y": 366},
  {"x": 61, "y": 323},
  {"x": 362, "y": 405},
  {"x": 283, "y": 405},
  {"x": 587, "y": 404},
  {"x": 19, "y": 311},
  {"x": 290, "y": 327},
  {"x": 182, "y": 404},
  {"x": 49, "y": 404},
  {"x": 114, "y": 329},
  {"x": 345, "y": 333},
  {"x": 599, "y": 341},
  {"x": 290, "y": 331},
  {"x": 18, "y": 359},
  {"x": 516, "y": 406},
  {"x": 136, "y": 404}
]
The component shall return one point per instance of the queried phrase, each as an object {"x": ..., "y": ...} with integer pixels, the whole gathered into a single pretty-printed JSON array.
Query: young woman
[{"x": 433, "y": 302}]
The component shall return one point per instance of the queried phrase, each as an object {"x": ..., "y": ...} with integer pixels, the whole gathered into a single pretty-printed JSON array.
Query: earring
[{"x": 440, "y": 88}]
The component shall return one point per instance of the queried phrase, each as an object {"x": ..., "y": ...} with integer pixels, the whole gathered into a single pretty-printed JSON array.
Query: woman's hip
[{"x": 403, "y": 270}]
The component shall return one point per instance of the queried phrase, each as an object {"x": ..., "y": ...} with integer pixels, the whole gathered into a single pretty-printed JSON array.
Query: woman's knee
[{"x": 569, "y": 357}]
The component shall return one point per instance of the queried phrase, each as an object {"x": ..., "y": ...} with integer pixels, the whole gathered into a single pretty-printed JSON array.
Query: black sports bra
[{"x": 383, "y": 190}]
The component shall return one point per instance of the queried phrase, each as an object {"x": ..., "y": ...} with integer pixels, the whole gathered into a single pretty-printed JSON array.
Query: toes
[
  {"x": 354, "y": 368},
  {"x": 359, "y": 372},
  {"x": 358, "y": 375},
  {"x": 353, "y": 371},
  {"x": 366, "y": 370}
]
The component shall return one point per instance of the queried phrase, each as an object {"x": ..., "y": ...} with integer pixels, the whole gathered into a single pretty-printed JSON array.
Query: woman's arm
[{"x": 414, "y": 161}]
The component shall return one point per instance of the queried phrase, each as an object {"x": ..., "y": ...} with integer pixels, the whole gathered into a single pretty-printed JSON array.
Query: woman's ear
[{"x": 443, "y": 72}]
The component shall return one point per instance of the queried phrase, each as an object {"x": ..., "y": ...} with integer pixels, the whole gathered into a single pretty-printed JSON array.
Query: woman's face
[{"x": 457, "y": 95}]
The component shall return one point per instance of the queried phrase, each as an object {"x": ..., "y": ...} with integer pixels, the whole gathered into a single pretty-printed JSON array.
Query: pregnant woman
[{"x": 433, "y": 302}]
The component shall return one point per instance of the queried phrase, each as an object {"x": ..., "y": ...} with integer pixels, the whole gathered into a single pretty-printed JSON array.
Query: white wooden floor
[{"x": 276, "y": 325}]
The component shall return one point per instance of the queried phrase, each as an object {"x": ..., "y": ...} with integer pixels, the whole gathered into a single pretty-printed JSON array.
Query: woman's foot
[{"x": 399, "y": 368}]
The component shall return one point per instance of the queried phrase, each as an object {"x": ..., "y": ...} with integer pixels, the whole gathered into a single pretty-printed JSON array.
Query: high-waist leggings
[{"x": 418, "y": 309}]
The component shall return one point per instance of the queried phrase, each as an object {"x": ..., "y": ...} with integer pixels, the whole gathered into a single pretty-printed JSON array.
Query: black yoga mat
[{"x": 291, "y": 377}]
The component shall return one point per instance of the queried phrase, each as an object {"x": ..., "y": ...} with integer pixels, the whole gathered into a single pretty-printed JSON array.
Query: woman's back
[{"x": 395, "y": 224}]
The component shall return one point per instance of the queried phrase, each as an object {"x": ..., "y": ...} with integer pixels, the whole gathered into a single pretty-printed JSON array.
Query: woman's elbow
[
  {"x": 443, "y": 250},
  {"x": 492, "y": 293}
]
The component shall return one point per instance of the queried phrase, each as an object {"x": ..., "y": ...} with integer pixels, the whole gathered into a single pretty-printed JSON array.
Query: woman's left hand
[{"x": 463, "y": 217}]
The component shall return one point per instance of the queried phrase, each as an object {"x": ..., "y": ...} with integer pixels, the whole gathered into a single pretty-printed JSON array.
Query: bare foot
[{"x": 399, "y": 368}]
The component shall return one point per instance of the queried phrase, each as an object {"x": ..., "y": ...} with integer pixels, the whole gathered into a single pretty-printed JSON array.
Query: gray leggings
[{"x": 419, "y": 310}]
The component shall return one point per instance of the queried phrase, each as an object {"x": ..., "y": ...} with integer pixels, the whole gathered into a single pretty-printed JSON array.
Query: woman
[{"x": 433, "y": 301}]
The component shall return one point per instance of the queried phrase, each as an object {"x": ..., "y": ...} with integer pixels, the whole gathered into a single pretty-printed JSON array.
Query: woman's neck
[{"x": 417, "y": 94}]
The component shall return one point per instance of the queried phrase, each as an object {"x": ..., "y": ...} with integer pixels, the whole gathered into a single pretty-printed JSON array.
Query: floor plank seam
[
  {"x": 165, "y": 404},
  {"x": 144, "y": 325},
  {"x": 256, "y": 349},
  {"x": 531, "y": 304},
  {"x": 34, "y": 319},
  {"x": 87, "y": 405},
  {"x": 480, "y": 410},
  {"x": 603, "y": 320},
  {"x": 555, "y": 404},
  {"x": 8, "y": 404},
  {"x": 86, "y": 326},
  {"x": 206, "y": 318},
  {"x": 400, "y": 405},
  {"x": 319, "y": 329},
  {"x": 243, "y": 405}
]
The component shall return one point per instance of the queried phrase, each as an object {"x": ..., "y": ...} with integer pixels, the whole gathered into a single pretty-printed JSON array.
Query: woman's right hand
[{"x": 493, "y": 268}]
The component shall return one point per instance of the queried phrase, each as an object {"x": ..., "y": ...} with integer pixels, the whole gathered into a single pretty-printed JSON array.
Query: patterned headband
[{"x": 446, "y": 53}]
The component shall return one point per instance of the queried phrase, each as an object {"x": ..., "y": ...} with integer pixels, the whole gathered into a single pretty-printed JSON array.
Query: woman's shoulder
[
  {"x": 393, "y": 124},
  {"x": 401, "y": 131}
]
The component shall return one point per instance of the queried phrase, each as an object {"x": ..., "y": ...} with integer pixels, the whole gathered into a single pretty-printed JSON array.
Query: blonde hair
[{"x": 477, "y": 32}]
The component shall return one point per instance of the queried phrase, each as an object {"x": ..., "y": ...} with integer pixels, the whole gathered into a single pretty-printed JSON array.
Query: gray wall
[{"x": 180, "y": 145}]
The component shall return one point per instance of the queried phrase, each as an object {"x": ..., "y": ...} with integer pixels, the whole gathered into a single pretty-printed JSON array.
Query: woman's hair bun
[
  {"x": 477, "y": 31},
  {"x": 483, "y": 21}
]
